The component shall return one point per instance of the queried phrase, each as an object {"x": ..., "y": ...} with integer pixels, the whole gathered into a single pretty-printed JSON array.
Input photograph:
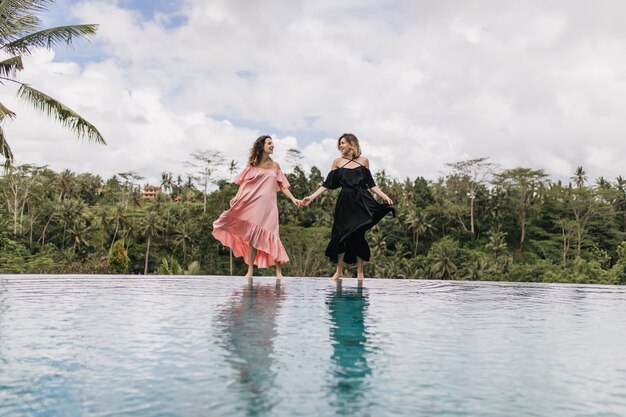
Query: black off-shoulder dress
[{"x": 356, "y": 212}]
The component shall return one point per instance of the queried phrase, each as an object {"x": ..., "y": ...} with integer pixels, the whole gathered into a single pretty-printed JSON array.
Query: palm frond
[
  {"x": 49, "y": 38},
  {"x": 5, "y": 112},
  {"x": 10, "y": 67},
  {"x": 18, "y": 27},
  {"x": 9, "y": 8},
  {"x": 61, "y": 113},
  {"x": 17, "y": 17},
  {"x": 5, "y": 150}
]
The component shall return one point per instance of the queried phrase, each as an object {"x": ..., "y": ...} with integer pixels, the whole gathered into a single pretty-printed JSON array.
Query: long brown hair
[
  {"x": 353, "y": 142},
  {"x": 256, "y": 152}
]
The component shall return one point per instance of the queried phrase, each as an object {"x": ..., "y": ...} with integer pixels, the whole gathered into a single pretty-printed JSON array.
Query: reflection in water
[
  {"x": 347, "y": 308},
  {"x": 249, "y": 327},
  {"x": 3, "y": 309}
]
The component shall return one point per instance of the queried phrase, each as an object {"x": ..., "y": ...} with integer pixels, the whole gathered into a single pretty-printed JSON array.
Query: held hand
[
  {"x": 306, "y": 201},
  {"x": 297, "y": 202}
]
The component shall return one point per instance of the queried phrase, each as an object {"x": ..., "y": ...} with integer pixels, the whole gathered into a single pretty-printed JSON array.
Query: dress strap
[{"x": 350, "y": 160}]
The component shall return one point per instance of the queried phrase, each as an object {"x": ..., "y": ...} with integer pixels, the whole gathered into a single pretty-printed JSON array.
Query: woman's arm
[
  {"x": 376, "y": 189},
  {"x": 232, "y": 200},
  {"x": 307, "y": 200},
  {"x": 290, "y": 196},
  {"x": 285, "y": 190}
]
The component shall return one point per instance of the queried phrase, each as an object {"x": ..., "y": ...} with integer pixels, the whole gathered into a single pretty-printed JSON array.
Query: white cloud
[{"x": 421, "y": 83}]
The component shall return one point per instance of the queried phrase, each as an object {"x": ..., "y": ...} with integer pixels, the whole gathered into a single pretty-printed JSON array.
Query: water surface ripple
[{"x": 200, "y": 346}]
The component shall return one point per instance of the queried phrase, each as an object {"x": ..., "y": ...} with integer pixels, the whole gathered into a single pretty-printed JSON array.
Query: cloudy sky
[{"x": 421, "y": 83}]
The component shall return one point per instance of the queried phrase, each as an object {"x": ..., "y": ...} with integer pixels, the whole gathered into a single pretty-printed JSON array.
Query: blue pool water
[{"x": 217, "y": 346}]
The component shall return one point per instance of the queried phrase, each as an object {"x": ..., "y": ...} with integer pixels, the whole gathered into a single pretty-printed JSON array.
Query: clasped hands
[{"x": 303, "y": 202}]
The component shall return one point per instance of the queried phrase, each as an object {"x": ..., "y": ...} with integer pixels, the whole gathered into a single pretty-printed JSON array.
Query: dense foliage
[{"x": 476, "y": 223}]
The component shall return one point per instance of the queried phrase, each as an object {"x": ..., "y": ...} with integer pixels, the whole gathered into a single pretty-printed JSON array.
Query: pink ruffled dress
[{"x": 253, "y": 217}]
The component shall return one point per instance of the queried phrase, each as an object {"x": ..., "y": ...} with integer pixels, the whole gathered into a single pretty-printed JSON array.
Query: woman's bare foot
[
  {"x": 359, "y": 269},
  {"x": 279, "y": 271},
  {"x": 339, "y": 267},
  {"x": 250, "y": 262}
]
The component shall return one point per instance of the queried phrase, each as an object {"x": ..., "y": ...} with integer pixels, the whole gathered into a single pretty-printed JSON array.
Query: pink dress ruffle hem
[{"x": 252, "y": 218}]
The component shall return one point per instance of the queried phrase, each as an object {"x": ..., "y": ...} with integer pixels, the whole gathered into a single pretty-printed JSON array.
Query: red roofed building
[{"x": 150, "y": 192}]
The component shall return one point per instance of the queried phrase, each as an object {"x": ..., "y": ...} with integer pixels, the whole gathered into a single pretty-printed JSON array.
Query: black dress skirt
[{"x": 356, "y": 212}]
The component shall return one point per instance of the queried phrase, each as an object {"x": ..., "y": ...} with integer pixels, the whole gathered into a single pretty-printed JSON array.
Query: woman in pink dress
[{"x": 250, "y": 226}]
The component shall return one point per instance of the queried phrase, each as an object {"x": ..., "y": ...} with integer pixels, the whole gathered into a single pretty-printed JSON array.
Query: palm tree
[
  {"x": 66, "y": 184},
  {"x": 170, "y": 267},
  {"x": 119, "y": 216},
  {"x": 189, "y": 189},
  {"x": 89, "y": 187},
  {"x": 49, "y": 213},
  {"x": 444, "y": 267},
  {"x": 579, "y": 178},
  {"x": 232, "y": 167},
  {"x": 183, "y": 237},
  {"x": 77, "y": 234},
  {"x": 130, "y": 229},
  {"x": 178, "y": 186},
  {"x": 603, "y": 183},
  {"x": 497, "y": 242},
  {"x": 478, "y": 270},
  {"x": 166, "y": 181},
  {"x": 378, "y": 241},
  {"x": 131, "y": 192},
  {"x": 418, "y": 224},
  {"x": 20, "y": 34},
  {"x": 136, "y": 198},
  {"x": 151, "y": 228},
  {"x": 620, "y": 184},
  {"x": 444, "y": 254},
  {"x": 103, "y": 221},
  {"x": 72, "y": 213}
]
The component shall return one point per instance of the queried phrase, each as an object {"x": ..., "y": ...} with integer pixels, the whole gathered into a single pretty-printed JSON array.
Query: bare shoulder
[
  {"x": 276, "y": 165},
  {"x": 335, "y": 163},
  {"x": 363, "y": 161}
]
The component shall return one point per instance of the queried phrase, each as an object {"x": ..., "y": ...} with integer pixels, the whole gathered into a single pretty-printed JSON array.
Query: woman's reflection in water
[
  {"x": 249, "y": 326},
  {"x": 348, "y": 333}
]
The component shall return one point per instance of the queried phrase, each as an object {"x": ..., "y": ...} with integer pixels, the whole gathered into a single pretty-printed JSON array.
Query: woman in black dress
[{"x": 356, "y": 211}]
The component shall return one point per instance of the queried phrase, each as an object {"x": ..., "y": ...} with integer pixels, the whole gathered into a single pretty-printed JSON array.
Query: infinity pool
[{"x": 219, "y": 346}]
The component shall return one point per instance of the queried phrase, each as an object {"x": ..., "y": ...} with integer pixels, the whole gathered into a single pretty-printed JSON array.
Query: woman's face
[
  {"x": 268, "y": 146},
  {"x": 344, "y": 147}
]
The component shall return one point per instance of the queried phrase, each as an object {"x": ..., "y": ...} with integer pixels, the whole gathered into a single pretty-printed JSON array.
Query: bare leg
[
  {"x": 251, "y": 256},
  {"x": 279, "y": 271},
  {"x": 359, "y": 269},
  {"x": 337, "y": 274}
]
